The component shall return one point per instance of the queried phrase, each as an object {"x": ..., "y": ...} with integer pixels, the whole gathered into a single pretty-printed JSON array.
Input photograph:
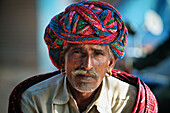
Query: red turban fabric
[{"x": 88, "y": 22}]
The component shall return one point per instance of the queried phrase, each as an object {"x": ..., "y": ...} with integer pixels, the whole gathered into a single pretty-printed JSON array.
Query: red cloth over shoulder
[{"x": 145, "y": 101}]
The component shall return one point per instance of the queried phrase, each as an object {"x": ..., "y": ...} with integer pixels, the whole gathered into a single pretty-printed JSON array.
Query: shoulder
[
  {"x": 122, "y": 89},
  {"x": 121, "y": 83},
  {"x": 122, "y": 94},
  {"x": 45, "y": 85},
  {"x": 39, "y": 96},
  {"x": 118, "y": 95}
]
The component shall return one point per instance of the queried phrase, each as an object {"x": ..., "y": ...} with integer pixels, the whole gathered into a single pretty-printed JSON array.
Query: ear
[{"x": 111, "y": 63}]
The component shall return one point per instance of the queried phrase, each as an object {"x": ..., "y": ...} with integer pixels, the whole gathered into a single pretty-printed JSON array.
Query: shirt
[{"x": 53, "y": 96}]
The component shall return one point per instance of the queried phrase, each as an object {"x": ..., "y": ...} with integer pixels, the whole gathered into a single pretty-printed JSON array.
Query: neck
[{"x": 83, "y": 99}]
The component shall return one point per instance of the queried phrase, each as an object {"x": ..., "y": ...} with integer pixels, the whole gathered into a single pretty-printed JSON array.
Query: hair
[{"x": 111, "y": 54}]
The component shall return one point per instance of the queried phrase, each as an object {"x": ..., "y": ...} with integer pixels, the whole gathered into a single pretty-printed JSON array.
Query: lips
[{"x": 85, "y": 78}]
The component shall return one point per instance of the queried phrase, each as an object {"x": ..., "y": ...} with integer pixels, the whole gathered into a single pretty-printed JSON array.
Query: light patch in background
[
  {"x": 45, "y": 11},
  {"x": 153, "y": 22}
]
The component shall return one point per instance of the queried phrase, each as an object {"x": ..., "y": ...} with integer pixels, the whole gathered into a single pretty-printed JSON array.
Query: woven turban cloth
[{"x": 87, "y": 22}]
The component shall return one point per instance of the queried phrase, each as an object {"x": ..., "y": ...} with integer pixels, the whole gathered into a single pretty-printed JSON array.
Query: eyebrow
[{"x": 77, "y": 48}]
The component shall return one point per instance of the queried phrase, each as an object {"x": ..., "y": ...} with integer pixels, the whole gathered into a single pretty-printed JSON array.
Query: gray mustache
[{"x": 82, "y": 72}]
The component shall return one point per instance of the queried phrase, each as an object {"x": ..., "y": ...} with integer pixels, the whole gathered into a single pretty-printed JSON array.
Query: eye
[
  {"x": 98, "y": 53},
  {"x": 76, "y": 51}
]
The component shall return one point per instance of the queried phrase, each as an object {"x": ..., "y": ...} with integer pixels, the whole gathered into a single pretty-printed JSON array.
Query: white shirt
[{"x": 52, "y": 96}]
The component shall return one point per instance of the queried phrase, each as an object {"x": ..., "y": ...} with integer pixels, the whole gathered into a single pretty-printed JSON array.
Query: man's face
[{"x": 86, "y": 65}]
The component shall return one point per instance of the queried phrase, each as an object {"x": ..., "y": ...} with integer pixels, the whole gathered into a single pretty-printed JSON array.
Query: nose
[{"x": 87, "y": 63}]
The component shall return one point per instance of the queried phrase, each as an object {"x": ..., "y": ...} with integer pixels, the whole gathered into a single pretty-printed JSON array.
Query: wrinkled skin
[{"x": 87, "y": 57}]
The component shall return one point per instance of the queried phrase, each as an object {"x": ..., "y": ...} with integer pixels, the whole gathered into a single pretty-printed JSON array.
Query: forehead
[{"x": 89, "y": 47}]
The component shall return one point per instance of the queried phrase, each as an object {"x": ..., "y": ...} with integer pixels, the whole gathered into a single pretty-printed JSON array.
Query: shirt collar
[{"x": 103, "y": 101}]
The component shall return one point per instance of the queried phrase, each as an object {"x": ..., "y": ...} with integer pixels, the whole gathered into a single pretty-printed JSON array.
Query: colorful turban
[{"x": 87, "y": 22}]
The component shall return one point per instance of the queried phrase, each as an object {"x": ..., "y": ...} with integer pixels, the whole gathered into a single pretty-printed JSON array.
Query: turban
[{"x": 86, "y": 22}]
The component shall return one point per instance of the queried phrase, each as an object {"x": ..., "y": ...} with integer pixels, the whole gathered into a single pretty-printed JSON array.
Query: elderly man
[{"x": 84, "y": 43}]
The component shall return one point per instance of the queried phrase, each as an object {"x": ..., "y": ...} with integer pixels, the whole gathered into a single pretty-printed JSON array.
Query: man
[{"x": 84, "y": 43}]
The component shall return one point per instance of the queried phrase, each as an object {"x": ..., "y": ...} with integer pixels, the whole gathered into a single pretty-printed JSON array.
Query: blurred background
[{"x": 23, "y": 52}]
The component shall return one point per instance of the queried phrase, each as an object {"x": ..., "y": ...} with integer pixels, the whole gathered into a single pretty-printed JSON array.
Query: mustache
[{"x": 83, "y": 72}]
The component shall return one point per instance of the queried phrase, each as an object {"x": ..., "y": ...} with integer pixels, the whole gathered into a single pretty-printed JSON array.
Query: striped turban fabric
[{"x": 87, "y": 22}]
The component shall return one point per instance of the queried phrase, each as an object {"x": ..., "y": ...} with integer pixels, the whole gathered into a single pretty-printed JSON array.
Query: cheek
[
  {"x": 72, "y": 63},
  {"x": 101, "y": 62},
  {"x": 101, "y": 66}
]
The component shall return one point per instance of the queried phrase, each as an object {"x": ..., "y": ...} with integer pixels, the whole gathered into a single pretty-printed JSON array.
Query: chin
[{"x": 84, "y": 88}]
